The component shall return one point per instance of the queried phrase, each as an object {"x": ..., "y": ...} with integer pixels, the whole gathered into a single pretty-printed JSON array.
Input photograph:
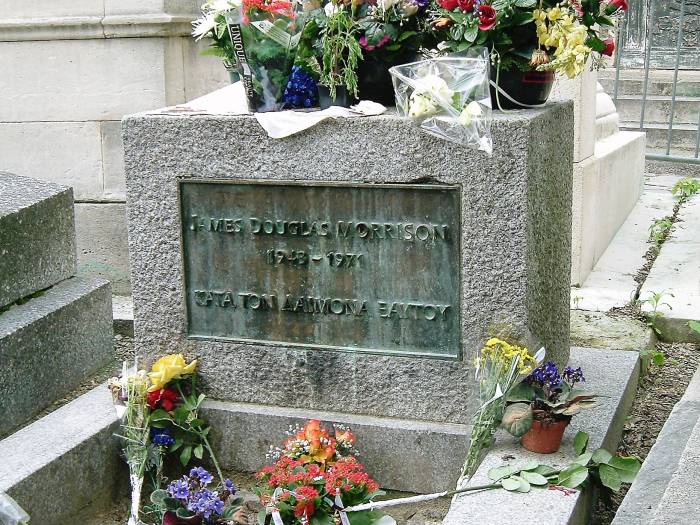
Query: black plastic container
[{"x": 526, "y": 88}]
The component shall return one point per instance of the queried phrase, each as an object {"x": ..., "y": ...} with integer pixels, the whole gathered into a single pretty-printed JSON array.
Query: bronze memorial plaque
[{"x": 356, "y": 267}]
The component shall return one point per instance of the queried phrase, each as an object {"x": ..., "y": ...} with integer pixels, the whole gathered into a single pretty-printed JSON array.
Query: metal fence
[{"x": 660, "y": 39}]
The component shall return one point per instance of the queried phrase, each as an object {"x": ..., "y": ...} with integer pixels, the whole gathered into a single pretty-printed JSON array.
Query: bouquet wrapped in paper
[
  {"x": 265, "y": 35},
  {"x": 448, "y": 97}
]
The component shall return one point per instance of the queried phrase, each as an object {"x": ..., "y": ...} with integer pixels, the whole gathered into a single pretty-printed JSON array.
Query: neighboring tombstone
[
  {"x": 350, "y": 272},
  {"x": 656, "y": 23}
]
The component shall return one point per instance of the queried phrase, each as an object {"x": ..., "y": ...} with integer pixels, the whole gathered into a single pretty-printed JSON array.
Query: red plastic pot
[{"x": 544, "y": 437}]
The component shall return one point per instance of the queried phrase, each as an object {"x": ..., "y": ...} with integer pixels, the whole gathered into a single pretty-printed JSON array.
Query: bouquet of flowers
[
  {"x": 159, "y": 417},
  {"x": 212, "y": 25},
  {"x": 548, "y": 400},
  {"x": 265, "y": 35},
  {"x": 498, "y": 366},
  {"x": 558, "y": 35},
  {"x": 315, "y": 475},
  {"x": 448, "y": 97}
]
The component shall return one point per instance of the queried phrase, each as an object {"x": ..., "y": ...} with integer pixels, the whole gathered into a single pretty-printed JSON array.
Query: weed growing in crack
[{"x": 685, "y": 188}]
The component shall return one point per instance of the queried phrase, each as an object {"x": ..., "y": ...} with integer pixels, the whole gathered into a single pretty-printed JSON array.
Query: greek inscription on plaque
[{"x": 363, "y": 267}]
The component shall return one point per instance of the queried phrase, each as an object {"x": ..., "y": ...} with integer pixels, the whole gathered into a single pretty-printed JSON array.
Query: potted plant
[
  {"x": 349, "y": 45},
  {"x": 530, "y": 40},
  {"x": 540, "y": 408}
]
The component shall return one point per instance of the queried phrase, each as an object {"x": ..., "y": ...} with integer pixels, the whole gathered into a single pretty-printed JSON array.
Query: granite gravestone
[{"x": 349, "y": 273}]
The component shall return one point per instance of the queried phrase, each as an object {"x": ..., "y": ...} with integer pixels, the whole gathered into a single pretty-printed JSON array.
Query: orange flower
[{"x": 344, "y": 435}]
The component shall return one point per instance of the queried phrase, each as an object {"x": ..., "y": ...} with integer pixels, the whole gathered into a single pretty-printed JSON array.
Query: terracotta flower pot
[{"x": 544, "y": 437}]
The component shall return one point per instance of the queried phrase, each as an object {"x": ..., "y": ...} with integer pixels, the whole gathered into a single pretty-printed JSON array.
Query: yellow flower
[{"x": 167, "y": 368}]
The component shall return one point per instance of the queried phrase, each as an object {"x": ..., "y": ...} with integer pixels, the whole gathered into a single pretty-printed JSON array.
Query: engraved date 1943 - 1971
[{"x": 302, "y": 258}]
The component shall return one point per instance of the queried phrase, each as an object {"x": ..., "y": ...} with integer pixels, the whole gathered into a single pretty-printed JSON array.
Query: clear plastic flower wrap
[
  {"x": 10, "y": 512},
  {"x": 448, "y": 97}
]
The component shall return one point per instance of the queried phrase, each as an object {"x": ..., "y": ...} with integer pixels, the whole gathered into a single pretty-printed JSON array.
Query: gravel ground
[{"x": 656, "y": 396}]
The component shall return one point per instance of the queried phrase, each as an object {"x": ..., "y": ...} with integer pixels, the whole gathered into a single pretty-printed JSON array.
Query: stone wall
[{"x": 72, "y": 69}]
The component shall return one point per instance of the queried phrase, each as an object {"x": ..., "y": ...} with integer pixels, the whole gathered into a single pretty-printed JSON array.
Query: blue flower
[
  {"x": 162, "y": 437},
  {"x": 421, "y": 3},
  {"x": 301, "y": 90},
  {"x": 204, "y": 477},
  {"x": 230, "y": 486},
  {"x": 205, "y": 503},
  {"x": 179, "y": 489}
]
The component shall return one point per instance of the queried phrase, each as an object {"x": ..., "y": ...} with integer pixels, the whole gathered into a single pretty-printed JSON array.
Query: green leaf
[
  {"x": 176, "y": 445},
  {"x": 186, "y": 455},
  {"x": 160, "y": 414},
  {"x": 406, "y": 34},
  {"x": 658, "y": 358},
  {"x": 525, "y": 3},
  {"x": 261, "y": 517},
  {"x": 498, "y": 473},
  {"x": 524, "y": 485},
  {"x": 627, "y": 467},
  {"x": 546, "y": 470},
  {"x": 321, "y": 518},
  {"x": 522, "y": 392},
  {"x": 517, "y": 419},
  {"x": 572, "y": 476},
  {"x": 158, "y": 497},
  {"x": 183, "y": 513},
  {"x": 584, "y": 458},
  {"x": 601, "y": 456},
  {"x": 511, "y": 484},
  {"x": 694, "y": 326},
  {"x": 199, "y": 451},
  {"x": 370, "y": 517},
  {"x": 470, "y": 33},
  {"x": 609, "y": 477},
  {"x": 530, "y": 465},
  {"x": 534, "y": 478},
  {"x": 580, "y": 442}
]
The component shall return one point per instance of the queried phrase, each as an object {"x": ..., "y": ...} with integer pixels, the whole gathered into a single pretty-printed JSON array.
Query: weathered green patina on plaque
[{"x": 361, "y": 267}]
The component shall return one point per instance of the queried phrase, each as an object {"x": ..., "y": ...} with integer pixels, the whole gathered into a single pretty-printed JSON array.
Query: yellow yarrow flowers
[
  {"x": 499, "y": 350},
  {"x": 167, "y": 368},
  {"x": 559, "y": 29}
]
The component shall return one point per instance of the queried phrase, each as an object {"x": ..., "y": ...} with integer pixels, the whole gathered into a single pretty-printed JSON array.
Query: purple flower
[
  {"x": 421, "y": 3},
  {"x": 546, "y": 376},
  {"x": 573, "y": 376},
  {"x": 205, "y": 503},
  {"x": 204, "y": 477},
  {"x": 179, "y": 489},
  {"x": 230, "y": 486}
]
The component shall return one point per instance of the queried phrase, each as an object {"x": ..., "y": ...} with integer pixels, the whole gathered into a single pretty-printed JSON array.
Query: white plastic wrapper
[
  {"x": 10, "y": 512},
  {"x": 448, "y": 97}
]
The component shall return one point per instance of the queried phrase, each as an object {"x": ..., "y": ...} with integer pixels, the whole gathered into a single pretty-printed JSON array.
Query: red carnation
[
  {"x": 609, "y": 47},
  {"x": 166, "y": 398},
  {"x": 615, "y": 5},
  {"x": 487, "y": 17},
  {"x": 466, "y": 5},
  {"x": 450, "y": 5}
]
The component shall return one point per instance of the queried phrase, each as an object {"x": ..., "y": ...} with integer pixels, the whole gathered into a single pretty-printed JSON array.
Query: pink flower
[
  {"x": 487, "y": 17},
  {"x": 615, "y": 5},
  {"x": 450, "y": 5}
]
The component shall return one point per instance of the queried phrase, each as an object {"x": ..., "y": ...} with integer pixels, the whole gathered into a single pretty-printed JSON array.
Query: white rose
[
  {"x": 435, "y": 86},
  {"x": 421, "y": 105},
  {"x": 471, "y": 112}
]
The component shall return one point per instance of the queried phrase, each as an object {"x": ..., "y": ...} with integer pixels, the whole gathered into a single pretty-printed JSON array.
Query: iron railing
[{"x": 686, "y": 16}]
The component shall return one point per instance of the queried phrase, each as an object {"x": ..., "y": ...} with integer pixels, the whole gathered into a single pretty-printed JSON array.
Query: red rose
[
  {"x": 466, "y": 5},
  {"x": 166, "y": 397},
  {"x": 615, "y": 5},
  {"x": 609, "y": 47},
  {"x": 448, "y": 4},
  {"x": 487, "y": 17}
]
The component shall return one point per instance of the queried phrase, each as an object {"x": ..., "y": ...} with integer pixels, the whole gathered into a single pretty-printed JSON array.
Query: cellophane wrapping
[{"x": 448, "y": 97}]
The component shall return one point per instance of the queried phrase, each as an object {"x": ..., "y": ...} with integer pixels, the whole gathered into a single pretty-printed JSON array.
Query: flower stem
[{"x": 213, "y": 459}]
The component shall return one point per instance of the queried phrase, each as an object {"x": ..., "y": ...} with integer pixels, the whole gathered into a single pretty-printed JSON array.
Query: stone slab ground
[
  {"x": 666, "y": 490},
  {"x": 676, "y": 273},
  {"x": 37, "y": 239},
  {"x": 51, "y": 344},
  {"x": 611, "y": 283},
  {"x": 612, "y": 372}
]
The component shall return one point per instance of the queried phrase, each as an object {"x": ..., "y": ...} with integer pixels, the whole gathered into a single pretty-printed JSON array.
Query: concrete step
[
  {"x": 65, "y": 461},
  {"x": 658, "y": 109},
  {"x": 611, "y": 283},
  {"x": 123, "y": 315},
  {"x": 680, "y": 169},
  {"x": 676, "y": 272},
  {"x": 50, "y": 345},
  {"x": 613, "y": 372},
  {"x": 37, "y": 236},
  {"x": 660, "y": 82},
  {"x": 683, "y": 136},
  {"x": 666, "y": 490}
]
